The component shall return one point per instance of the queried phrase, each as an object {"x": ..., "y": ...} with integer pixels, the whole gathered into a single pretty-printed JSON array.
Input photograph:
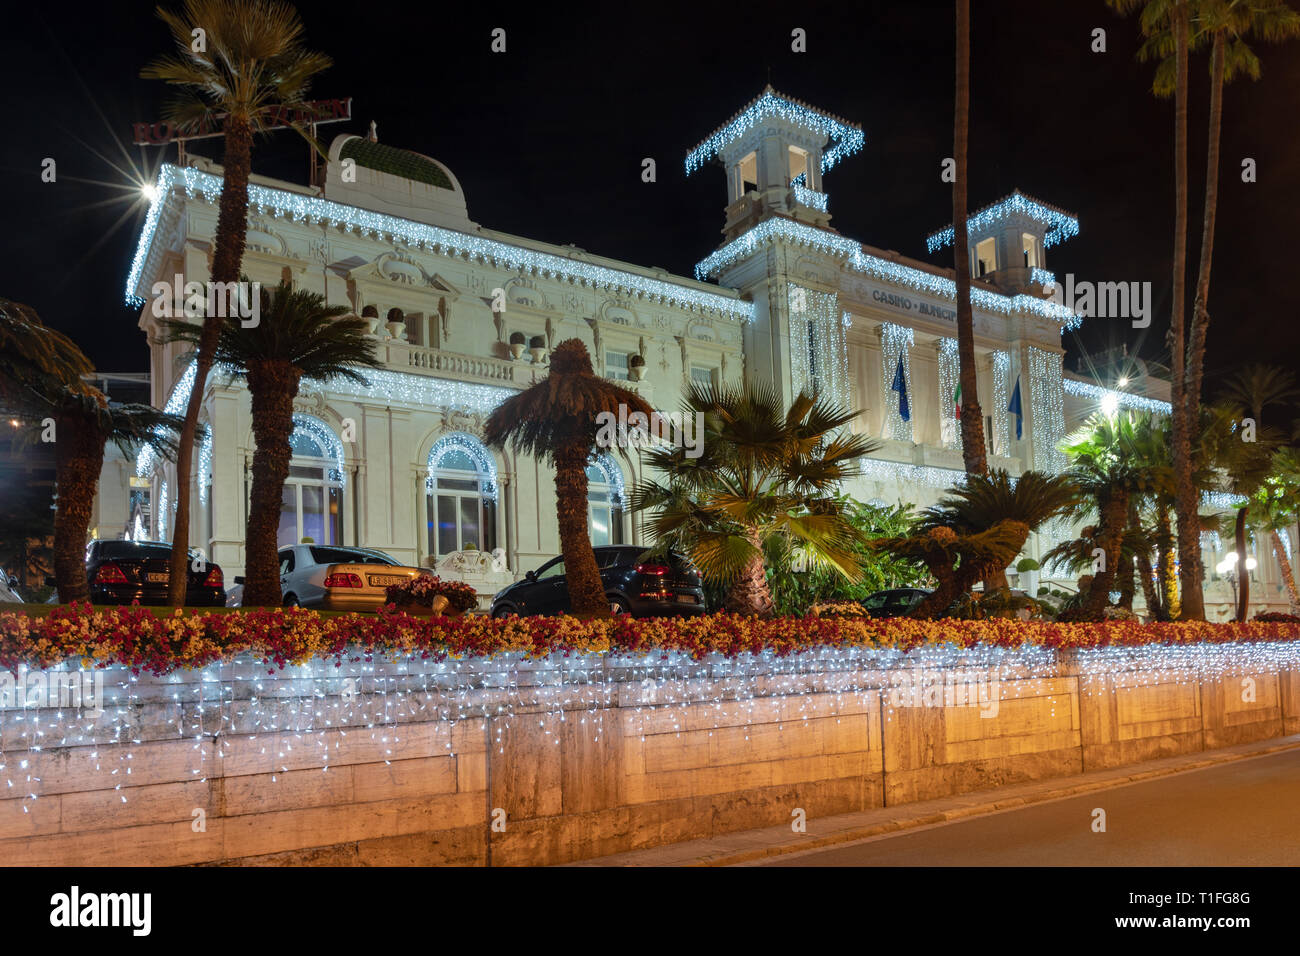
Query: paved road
[{"x": 1241, "y": 813}]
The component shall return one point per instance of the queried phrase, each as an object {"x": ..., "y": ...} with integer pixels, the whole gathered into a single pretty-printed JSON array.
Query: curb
[{"x": 993, "y": 806}]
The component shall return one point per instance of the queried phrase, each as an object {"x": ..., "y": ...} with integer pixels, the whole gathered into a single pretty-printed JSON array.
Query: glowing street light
[{"x": 149, "y": 191}]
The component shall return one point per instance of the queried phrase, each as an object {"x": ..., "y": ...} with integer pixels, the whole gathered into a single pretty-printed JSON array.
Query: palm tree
[
  {"x": 41, "y": 381},
  {"x": 1274, "y": 508},
  {"x": 1108, "y": 477},
  {"x": 972, "y": 416},
  {"x": 297, "y": 337},
  {"x": 253, "y": 62},
  {"x": 1173, "y": 17},
  {"x": 767, "y": 477},
  {"x": 956, "y": 561},
  {"x": 1243, "y": 466},
  {"x": 1227, "y": 24},
  {"x": 986, "y": 501},
  {"x": 560, "y": 418},
  {"x": 1253, "y": 388}
]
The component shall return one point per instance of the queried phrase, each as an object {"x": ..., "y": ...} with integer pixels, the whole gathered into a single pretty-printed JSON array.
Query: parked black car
[
  {"x": 124, "y": 571},
  {"x": 634, "y": 583},
  {"x": 896, "y": 602}
]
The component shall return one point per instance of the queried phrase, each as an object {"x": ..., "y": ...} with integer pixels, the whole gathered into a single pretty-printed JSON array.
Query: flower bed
[
  {"x": 135, "y": 638},
  {"x": 424, "y": 590}
]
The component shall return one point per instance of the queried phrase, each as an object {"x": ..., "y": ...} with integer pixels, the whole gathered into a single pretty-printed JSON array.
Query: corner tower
[{"x": 775, "y": 151}]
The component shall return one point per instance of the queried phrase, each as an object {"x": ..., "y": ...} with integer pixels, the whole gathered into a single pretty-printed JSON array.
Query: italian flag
[{"x": 956, "y": 402}]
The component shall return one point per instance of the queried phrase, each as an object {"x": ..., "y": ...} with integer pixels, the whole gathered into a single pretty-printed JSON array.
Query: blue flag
[
  {"x": 900, "y": 386},
  {"x": 1015, "y": 409}
]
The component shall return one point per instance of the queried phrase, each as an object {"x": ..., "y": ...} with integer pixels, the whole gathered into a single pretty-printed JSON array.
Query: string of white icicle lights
[
  {"x": 300, "y": 207},
  {"x": 858, "y": 260},
  {"x": 895, "y": 343},
  {"x": 1059, "y": 225},
  {"x": 236, "y": 716},
  {"x": 845, "y": 138}
]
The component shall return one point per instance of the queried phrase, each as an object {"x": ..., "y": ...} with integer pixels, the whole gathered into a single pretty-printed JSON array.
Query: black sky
[{"x": 548, "y": 138}]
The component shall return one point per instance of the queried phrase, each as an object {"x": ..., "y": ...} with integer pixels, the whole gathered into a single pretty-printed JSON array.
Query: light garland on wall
[
  {"x": 819, "y": 358},
  {"x": 845, "y": 138},
  {"x": 299, "y": 714},
  {"x": 1059, "y": 225},
  {"x": 472, "y": 448},
  {"x": 605, "y": 464},
  {"x": 162, "y": 510},
  {"x": 895, "y": 341},
  {"x": 949, "y": 378},
  {"x": 779, "y": 228},
  {"x": 313, "y": 209},
  {"x": 907, "y": 475},
  {"x": 1105, "y": 396},
  {"x": 810, "y": 198},
  {"x": 146, "y": 460},
  {"x": 1047, "y": 410},
  {"x": 205, "y": 466},
  {"x": 1001, "y": 363}
]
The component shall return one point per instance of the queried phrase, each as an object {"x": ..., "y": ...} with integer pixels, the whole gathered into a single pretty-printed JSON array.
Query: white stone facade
[{"x": 796, "y": 304}]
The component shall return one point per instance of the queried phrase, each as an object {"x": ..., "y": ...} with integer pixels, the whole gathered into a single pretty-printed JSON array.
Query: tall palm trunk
[
  {"x": 1168, "y": 578},
  {"x": 1200, "y": 310},
  {"x": 1187, "y": 500},
  {"x": 972, "y": 416},
  {"x": 586, "y": 591},
  {"x": 232, "y": 230},
  {"x": 1288, "y": 576},
  {"x": 78, "y": 458},
  {"x": 1110, "y": 534},
  {"x": 749, "y": 593},
  {"x": 272, "y": 387},
  {"x": 1243, "y": 575}
]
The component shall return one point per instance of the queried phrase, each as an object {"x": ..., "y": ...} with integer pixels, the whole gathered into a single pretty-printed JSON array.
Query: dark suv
[
  {"x": 634, "y": 583},
  {"x": 896, "y": 602},
  {"x": 124, "y": 571}
]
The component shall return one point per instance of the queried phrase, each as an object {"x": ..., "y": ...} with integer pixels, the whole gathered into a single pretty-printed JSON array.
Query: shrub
[{"x": 422, "y": 589}]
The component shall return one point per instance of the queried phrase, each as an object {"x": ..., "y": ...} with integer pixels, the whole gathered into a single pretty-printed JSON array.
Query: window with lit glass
[
  {"x": 459, "y": 516},
  {"x": 311, "y": 503},
  {"x": 604, "y": 509}
]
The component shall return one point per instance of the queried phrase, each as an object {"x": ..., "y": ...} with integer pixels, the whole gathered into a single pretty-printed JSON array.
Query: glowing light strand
[
  {"x": 1059, "y": 225},
  {"x": 475, "y": 450},
  {"x": 845, "y": 139},
  {"x": 895, "y": 341},
  {"x": 313, "y": 209}
]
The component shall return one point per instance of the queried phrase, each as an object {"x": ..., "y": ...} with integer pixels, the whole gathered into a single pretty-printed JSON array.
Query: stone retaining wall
[{"x": 507, "y": 762}]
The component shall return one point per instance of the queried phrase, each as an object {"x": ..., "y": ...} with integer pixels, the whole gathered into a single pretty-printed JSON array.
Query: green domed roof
[{"x": 395, "y": 162}]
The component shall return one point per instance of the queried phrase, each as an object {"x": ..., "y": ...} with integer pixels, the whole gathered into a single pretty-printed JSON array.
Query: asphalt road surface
[{"x": 1241, "y": 813}]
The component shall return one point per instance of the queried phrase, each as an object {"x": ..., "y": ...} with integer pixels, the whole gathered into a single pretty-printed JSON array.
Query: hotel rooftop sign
[{"x": 276, "y": 117}]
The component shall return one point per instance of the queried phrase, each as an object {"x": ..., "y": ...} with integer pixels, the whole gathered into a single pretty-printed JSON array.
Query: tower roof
[
  {"x": 1059, "y": 224},
  {"x": 846, "y": 137}
]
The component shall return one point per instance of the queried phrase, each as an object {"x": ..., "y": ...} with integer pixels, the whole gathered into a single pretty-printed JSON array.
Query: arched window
[
  {"x": 311, "y": 505},
  {"x": 606, "y": 500},
  {"x": 460, "y": 496}
]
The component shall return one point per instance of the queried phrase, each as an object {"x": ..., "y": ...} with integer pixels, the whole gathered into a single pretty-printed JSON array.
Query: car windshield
[{"x": 348, "y": 556}]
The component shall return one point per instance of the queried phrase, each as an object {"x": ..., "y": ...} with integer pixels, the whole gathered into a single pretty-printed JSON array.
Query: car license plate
[
  {"x": 686, "y": 598},
  {"x": 383, "y": 580},
  {"x": 157, "y": 577}
]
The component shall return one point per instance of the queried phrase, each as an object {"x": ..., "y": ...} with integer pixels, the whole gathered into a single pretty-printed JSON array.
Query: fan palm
[
  {"x": 41, "y": 383},
  {"x": 252, "y": 62},
  {"x": 987, "y": 500},
  {"x": 297, "y": 337},
  {"x": 956, "y": 561},
  {"x": 559, "y": 418},
  {"x": 1274, "y": 508},
  {"x": 766, "y": 475}
]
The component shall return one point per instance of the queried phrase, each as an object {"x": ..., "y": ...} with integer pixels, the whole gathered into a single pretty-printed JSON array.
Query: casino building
[{"x": 399, "y": 465}]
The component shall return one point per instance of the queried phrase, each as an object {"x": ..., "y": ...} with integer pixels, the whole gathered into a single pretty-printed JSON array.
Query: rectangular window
[
  {"x": 1029, "y": 245},
  {"x": 702, "y": 375},
  {"x": 986, "y": 259},
  {"x": 616, "y": 365}
]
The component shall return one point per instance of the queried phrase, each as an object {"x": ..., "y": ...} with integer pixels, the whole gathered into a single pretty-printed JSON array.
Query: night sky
[{"x": 547, "y": 140}]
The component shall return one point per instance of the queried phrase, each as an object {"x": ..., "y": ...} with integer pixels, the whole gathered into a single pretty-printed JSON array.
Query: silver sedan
[{"x": 335, "y": 578}]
